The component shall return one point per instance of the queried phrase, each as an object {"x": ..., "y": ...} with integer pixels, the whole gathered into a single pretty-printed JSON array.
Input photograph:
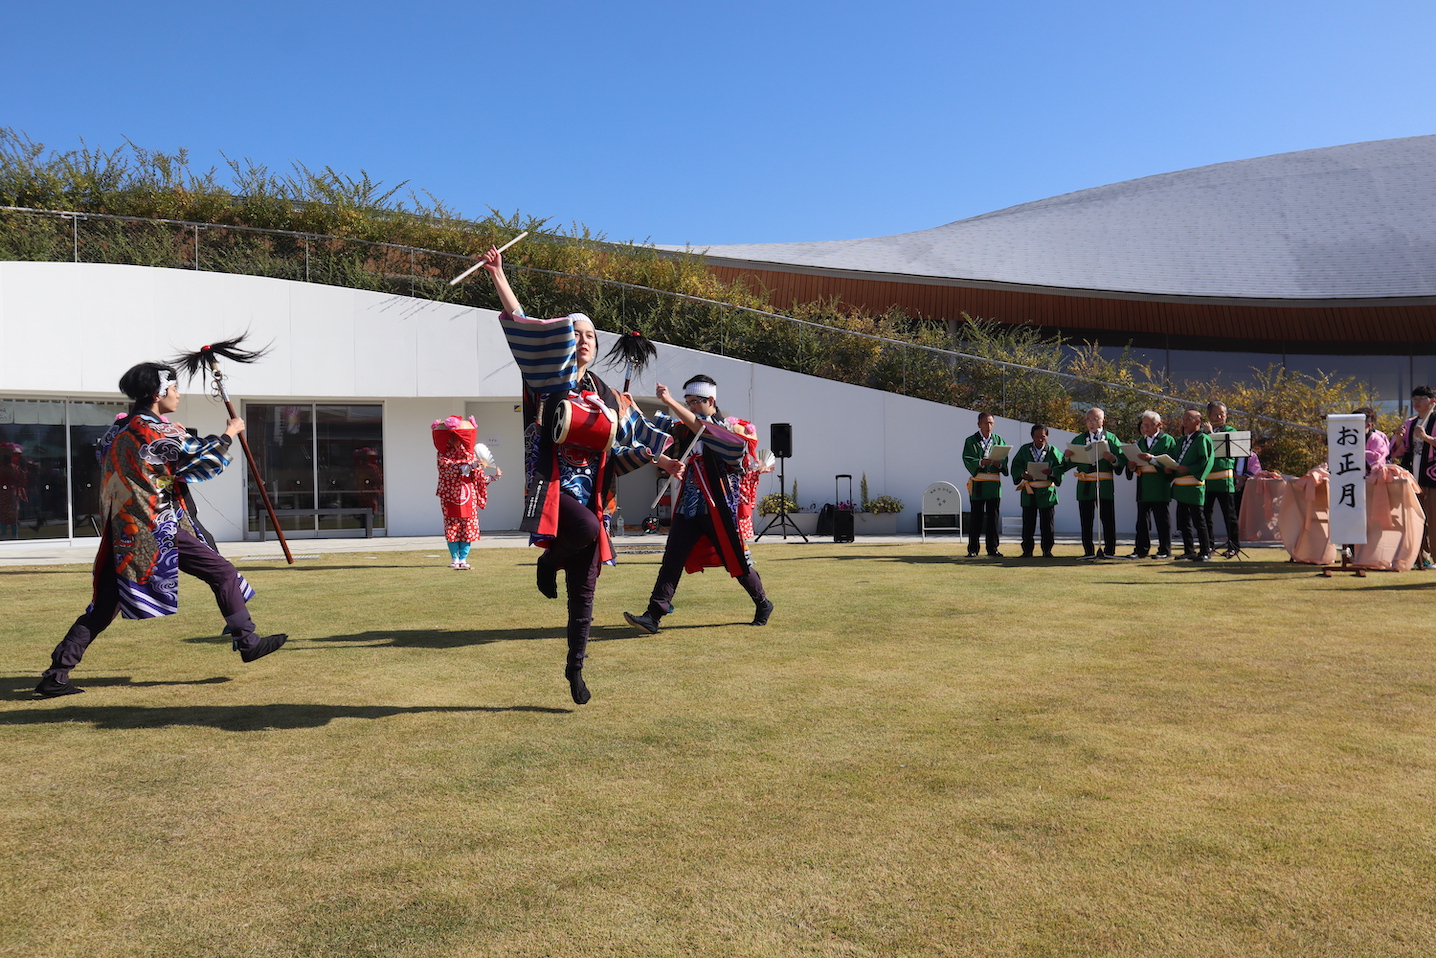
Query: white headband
[
  {"x": 701, "y": 389},
  {"x": 167, "y": 379}
]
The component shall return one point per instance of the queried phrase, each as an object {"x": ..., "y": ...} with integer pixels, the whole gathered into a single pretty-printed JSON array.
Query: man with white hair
[
  {"x": 1095, "y": 492},
  {"x": 1154, "y": 487}
]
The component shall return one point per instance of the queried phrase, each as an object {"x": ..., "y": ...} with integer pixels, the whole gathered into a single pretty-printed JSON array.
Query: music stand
[{"x": 1231, "y": 445}]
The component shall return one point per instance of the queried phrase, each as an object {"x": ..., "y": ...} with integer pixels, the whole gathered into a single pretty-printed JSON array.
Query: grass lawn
[{"x": 921, "y": 755}]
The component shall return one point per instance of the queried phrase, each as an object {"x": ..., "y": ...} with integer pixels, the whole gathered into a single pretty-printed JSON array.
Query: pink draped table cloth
[{"x": 1394, "y": 519}]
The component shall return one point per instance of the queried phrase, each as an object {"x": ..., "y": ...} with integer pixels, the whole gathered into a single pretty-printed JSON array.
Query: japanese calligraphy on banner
[{"x": 1346, "y": 459}]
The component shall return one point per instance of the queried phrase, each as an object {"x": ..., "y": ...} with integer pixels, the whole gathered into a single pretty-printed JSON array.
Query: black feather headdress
[
  {"x": 634, "y": 349},
  {"x": 201, "y": 358}
]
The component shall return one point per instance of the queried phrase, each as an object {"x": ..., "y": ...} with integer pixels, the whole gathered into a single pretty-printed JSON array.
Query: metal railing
[{"x": 1010, "y": 389}]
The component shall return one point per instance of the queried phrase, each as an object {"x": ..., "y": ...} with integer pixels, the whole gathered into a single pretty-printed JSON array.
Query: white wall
[{"x": 71, "y": 329}]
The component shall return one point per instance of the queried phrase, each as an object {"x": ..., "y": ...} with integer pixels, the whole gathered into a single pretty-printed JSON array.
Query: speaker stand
[{"x": 781, "y": 520}]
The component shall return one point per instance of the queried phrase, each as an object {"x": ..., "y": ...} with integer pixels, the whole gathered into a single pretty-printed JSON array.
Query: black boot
[
  {"x": 547, "y": 577},
  {"x": 51, "y": 687},
  {"x": 645, "y": 623},
  {"x": 263, "y": 647},
  {"x": 576, "y": 686},
  {"x": 762, "y": 611}
]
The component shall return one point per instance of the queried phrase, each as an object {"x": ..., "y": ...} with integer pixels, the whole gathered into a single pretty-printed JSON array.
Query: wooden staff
[
  {"x": 702, "y": 427},
  {"x": 248, "y": 456},
  {"x": 460, "y": 278},
  {"x": 209, "y": 356}
]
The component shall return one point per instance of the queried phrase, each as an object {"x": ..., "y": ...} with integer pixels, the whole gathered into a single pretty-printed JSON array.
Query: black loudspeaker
[{"x": 782, "y": 440}]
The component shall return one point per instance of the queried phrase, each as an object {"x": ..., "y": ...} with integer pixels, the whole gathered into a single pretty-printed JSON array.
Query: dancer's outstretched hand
[{"x": 671, "y": 466}]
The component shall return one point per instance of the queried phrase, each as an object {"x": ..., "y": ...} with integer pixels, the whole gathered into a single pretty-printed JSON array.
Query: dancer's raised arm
[{"x": 493, "y": 262}]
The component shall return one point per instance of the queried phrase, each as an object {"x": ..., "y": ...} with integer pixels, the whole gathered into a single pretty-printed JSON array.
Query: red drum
[{"x": 585, "y": 422}]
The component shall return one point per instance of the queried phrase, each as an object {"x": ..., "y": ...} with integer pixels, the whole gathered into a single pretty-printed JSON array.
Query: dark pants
[
  {"x": 1426, "y": 495},
  {"x": 1187, "y": 517},
  {"x": 1087, "y": 510},
  {"x": 1229, "y": 513},
  {"x": 683, "y": 535},
  {"x": 575, "y": 549},
  {"x": 985, "y": 514},
  {"x": 1161, "y": 513},
  {"x": 1031, "y": 517},
  {"x": 196, "y": 559}
]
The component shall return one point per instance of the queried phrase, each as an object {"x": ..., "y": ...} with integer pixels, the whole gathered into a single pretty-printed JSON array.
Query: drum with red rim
[{"x": 585, "y": 422}]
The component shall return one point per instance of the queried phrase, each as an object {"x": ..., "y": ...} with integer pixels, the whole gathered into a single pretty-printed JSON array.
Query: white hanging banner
[{"x": 1346, "y": 459}]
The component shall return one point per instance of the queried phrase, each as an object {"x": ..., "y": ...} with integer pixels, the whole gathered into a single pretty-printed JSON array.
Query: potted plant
[
  {"x": 802, "y": 519},
  {"x": 879, "y": 516}
]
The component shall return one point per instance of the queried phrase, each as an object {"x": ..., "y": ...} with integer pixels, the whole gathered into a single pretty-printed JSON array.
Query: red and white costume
[{"x": 463, "y": 485}]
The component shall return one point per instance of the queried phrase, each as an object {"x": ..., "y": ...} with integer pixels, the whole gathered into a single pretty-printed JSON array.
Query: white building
[{"x": 338, "y": 412}]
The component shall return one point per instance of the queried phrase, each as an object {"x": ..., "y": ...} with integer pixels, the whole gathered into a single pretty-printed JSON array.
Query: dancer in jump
[{"x": 579, "y": 437}]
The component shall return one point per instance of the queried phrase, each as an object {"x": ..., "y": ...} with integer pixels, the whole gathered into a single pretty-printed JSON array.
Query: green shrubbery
[{"x": 327, "y": 227}]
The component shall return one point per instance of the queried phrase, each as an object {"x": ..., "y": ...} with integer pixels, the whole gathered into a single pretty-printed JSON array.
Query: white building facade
[{"x": 338, "y": 412}]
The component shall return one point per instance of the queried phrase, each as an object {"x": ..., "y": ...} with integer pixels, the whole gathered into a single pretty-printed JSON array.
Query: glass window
[
  {"x": 317, "y": 457},
  {"x": 1387, "y": 375},
  {"x": 350, "y": 443},
  {"x": 281, "y": 437},
  {"x": 32, "y": 470},
  {"x": 89, "y": 421}
]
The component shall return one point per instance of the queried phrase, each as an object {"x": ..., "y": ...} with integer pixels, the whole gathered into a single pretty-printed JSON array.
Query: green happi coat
[
  {"x": 1100, "y": 487},
  {"x": 1227, "y": 482},
  {"x": 1043, "y": 497},
  {"x": 1198, "y": 459},
  {"x": 1154, "y": 485},
  {"x": 971, "y": 456}
]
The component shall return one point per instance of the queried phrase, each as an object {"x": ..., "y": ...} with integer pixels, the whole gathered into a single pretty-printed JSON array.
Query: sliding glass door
[{"x": 323, "y": 465}]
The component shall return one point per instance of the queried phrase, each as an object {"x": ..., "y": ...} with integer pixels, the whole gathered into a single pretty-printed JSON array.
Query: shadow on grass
[
  {"x": 244, "y": 566},
  {"x": 1269, "y": 570},
  {"x": 233, "y": 718},
  {"x": 86, "y": 570},
  {"x": 15, "y": 688},
  {"x": 1396, "y": 586},
  {"x": 444, "y": 639}
]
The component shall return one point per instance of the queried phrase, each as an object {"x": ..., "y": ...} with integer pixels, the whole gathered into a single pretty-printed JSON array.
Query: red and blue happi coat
[{"x": 144, "y": 464}]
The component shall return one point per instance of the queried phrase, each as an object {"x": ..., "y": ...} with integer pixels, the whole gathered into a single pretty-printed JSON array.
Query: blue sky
[{"x": 724, "y": 123}]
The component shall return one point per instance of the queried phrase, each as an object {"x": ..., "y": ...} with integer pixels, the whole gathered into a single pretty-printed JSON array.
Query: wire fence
[{"x": 920, "y": 366}]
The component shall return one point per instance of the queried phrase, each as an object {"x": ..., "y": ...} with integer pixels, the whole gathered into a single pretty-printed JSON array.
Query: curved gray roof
[{"x": 1339, "y": 223}]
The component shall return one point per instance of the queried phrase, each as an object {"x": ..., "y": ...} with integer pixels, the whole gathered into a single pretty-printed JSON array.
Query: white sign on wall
[{"x": 1346, "y": 459}]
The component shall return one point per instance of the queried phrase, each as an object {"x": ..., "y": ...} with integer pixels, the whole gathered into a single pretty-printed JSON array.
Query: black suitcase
[{"x": 843, "y": 523}]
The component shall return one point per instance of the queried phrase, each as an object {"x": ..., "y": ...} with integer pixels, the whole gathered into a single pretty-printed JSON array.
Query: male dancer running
[{"x": 149, "y": 536}]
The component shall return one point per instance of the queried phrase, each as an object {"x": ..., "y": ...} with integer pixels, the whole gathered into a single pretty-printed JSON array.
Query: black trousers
[
  {"x": 683, "y": 535},
  {"x": 1229, "y": 513},
  {"x": 1087, "y": 510},
  {"x": 574, "y": 548},
  {"x": 985, "y": 522},
  {"x": 1187, "y": 517},
  {"x": 1161, "y": 514},
  {"x": 1032, "y": 516},
  {"x": 196, "y": 559}
]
